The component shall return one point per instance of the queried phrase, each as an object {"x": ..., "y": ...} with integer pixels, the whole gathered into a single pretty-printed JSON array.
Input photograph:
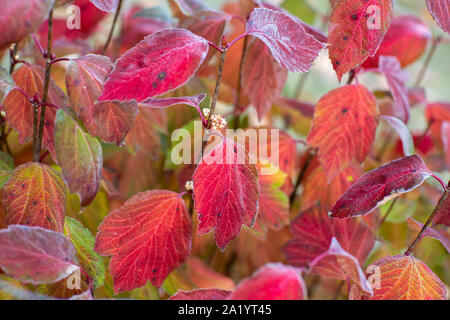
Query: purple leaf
[
  {"x": 35, "y": 255},
  {"x": 291, "y": 46},
  {"x": 380, "y": 185},
  {"x": 396, "y": 79}
]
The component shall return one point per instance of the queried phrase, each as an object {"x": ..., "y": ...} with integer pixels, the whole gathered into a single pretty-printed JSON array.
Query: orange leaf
[
  {"x": 20, "y": 111},
  {"x": 35, "y": 195},
  {"x": 343, "y": 127},
  {"x": 404, "y": 278}
]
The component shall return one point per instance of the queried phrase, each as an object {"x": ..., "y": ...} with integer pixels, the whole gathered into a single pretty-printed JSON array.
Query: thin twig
[
  {"x": 300, "y": 177},
  {"x": 428, "y": 223},
  {"x": 426, "y": 64},
  {"x": 388, "y": 212},
  {"x": 217, "y": 88},
  {"x": 111, "y": 31},
  {"x": 48, "y": 65},
  {"x": 237, "y": 104}
]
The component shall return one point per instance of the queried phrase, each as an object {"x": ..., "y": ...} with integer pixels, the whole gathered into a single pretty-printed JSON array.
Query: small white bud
[{"x": 189, "y": 185}]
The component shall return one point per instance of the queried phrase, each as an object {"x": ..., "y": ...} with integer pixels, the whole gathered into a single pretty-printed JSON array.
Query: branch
[
  {"x": 422, "y": 72},
  {"x": 111, "y": 31},
  {"x": 39, "y": 131},
  {"x": 237, "y": 104},
  {"x": 300, "y": 177},
  {"x": 428, "y": 223}
]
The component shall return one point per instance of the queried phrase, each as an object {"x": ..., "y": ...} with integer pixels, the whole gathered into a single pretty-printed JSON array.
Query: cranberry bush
[{"x": 268, "y": 195}]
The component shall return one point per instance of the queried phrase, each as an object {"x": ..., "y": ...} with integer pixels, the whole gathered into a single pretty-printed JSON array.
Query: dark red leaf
[
  {"x": 274, "y": 281},
  {"x": 380, "y": 185},
  {"x": 226, "y": 191},
  {"x": 201, "y": 294},
  {"x": 440, "y": 10},
  {"x": 35, "y": 255},
  {"x": 262, "y": 78},
  {"x": 396, "y": 79},
  {"x": 356, "y": 30},
  {"x": 148, "y": 237},
  {"x": 291, "y": 46},
  {"x": 406, "y": 39},
  {"x": 162, "y": 62}
]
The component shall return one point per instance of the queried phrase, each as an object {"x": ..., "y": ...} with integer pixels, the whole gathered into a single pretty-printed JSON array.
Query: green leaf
[
  {"x": 300, "y": 9},
  {"x": 80, "y": 157},
  {"x": 6, "y": 83},
  {"x": 84, "y": 241},
  {"x": 6, "y": 167}
]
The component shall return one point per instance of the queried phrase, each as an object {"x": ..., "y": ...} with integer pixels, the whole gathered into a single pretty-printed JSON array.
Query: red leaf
[
  {"x": 405, "y": 278},
  {"x": 262, "y": 78},
  {"x": 380, "y": 185},
  {"x": 396, "y": 79},
  {"x": 274, "y": 281},
  {"x": 339, "y": 144},
  {"x": 406, "y": 39},
  {"x": 20, "y": 18},
  {"x": 226, "y": 191},
  {"x": 353, "y": 32},
  {"x": 148, "y": 237},
  {"x": 35, "y": 195},
  {"x": 440, "y": 235},
  {"x": 193, "y": 101},
  {"x": 112, "y": 120},
  {"x": 106, "y": 5},
  {"x": 162, "y": 62},
  {"x": 348, "y": 264},
  {"x": 35, "y": 255},
  {"x": 291, "y": 46},
  {"x": 313, "y": 232},
  {"x": 440, "y": 10},
  {"x": 273, "y": 206},
  {"x": 20, "y": 112},
  {"x": 201, "y": 294}
]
